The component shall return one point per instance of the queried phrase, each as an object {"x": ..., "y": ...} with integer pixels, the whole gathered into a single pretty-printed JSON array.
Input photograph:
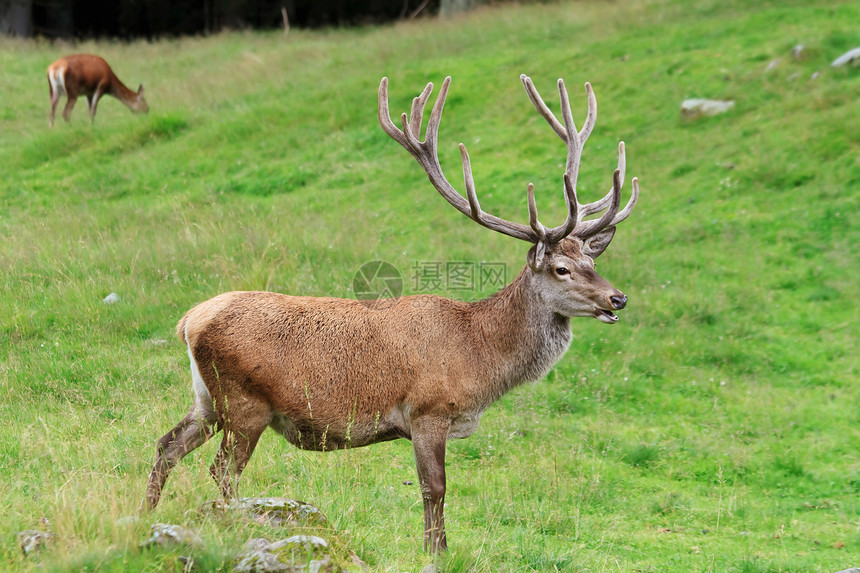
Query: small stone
[
  {"x": 32, "y": 540},
  {"x": 307, "y": 542},
  {"x": 849, "y": 57},
  {"x": 127, "y": 520},
  {"x": 693, "y": 108},
  {"x": 167, "y": 535},
  {"x": 112, "y": 298},
  {"x": 305, "y": 553},
  {"x": 798, "y": 52},
  {"x": 256, "y": 544}
]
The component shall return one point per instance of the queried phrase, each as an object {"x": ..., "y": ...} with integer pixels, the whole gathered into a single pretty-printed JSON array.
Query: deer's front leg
[{"x": 428, "y": 440}]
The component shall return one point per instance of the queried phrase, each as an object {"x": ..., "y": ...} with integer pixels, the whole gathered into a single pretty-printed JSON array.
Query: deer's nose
[{"x": 618, "y": 301}]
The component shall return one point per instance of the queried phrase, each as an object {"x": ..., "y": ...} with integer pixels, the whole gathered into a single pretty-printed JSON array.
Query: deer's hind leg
[
  {"x": 70, "y": 104},
  {"x": 189, "y": 434},
  {"x": 243, "y": 425},
  {"x": 55, "y": 99}
]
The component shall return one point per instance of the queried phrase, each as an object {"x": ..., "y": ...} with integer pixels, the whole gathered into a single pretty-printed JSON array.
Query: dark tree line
[{"x": 127, "y": 19}]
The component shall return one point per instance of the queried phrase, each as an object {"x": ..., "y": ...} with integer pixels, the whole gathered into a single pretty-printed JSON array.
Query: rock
[
  {"x": 852, "y": 570},
  {"x": 849, "y": 57},
  {"x": 112, "y": 298},
  {"x": 32, "y": 540},
  {"x": 127, "y": 520},
  {"x": 799, "y": 52},
  {"x": 299, "y": 553},
  {"x": 260, "y": 562},
  {"x": 771, "y": 65},
  {"x": 309, "y": 542},
  {"x": 274, "y": 511},
  {"x": 167, "y": 535},
  {"x": 693, "y": 108}
]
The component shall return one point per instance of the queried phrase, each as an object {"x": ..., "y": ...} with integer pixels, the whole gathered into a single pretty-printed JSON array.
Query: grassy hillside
[{"x": 715, "y": 428}]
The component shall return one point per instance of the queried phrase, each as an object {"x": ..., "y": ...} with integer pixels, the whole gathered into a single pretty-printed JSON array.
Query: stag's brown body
[
  {"x": 333, "y": 373},
  {"x": 90, "y": 76},
  {"x": 375, "y": 368}
]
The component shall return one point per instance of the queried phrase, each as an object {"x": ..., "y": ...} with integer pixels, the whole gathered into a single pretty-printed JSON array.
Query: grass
[{"x": 715, "y": 429}]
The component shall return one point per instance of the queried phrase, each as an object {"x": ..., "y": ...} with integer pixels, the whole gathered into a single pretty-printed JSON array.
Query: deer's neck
[
  {"x": 121, "y": 92},
  {"x": 521, "y": 336}
]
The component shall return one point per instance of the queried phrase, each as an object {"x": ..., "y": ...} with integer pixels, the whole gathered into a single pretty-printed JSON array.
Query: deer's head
[
  {"x": 139, "y": 104},
  {"x": 561, "y": 259}
]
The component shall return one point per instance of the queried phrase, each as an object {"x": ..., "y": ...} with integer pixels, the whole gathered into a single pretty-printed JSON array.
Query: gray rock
[
  {"x": 112, "y": 298},
  {"x": 772, "y": 64},
  {"x": 309, "y": 542},
  {"x": 852, "y": 570},
  {"x": 127, "y": 520},
  {"x": 167, "y": 535},
  {"x": 32, "y": 540},
  {"x": 299, "y": 553},
  {"x": 849, "y": 57},
  {"x": 274, "y": 511},
  {"x": 799, "y": 52},
  {"x": 693, "y": 108}
]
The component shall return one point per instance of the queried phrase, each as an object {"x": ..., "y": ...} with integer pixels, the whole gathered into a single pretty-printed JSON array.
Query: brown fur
[{"x": 92, "y": 77}]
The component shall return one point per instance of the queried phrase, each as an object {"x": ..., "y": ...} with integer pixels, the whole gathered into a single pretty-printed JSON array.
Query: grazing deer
[
  {"x": 92, "y": 77},
  {"x": 333, "y": 373}
]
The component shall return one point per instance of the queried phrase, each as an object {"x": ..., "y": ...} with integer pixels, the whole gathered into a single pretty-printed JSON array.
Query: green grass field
[{"x": 716, "y": 428}]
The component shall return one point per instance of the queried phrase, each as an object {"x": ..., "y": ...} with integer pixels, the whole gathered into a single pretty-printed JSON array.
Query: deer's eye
[{"x": 561, "y": 271}]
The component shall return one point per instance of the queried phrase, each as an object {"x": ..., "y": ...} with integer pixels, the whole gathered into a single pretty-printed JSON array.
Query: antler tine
[
  {"x": 426, "y": 154},
  {"x": 470, "y": 185},
  {"x": 591, "y": 117},
  {"x": 556, "y": 234},
  {"x": 536, "y": 225},
  {"x": 432, "y": 137},
  {"x": 416, "y": 115},
  {"x": 385, "y": 116},
  {"x": 542, "y": 108},
  {"x": 574, "y": 146},
  {"x": 634, "y": 183},
  {"x": 600, "y": 204},
  {"x": 586, "y": 229}
]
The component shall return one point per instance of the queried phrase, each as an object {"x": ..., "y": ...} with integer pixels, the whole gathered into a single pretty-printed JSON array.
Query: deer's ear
[
  {"x": 595, "y": 245},
  {"x": 536, "y": 256},
  {"x": 140, "y": 90}
]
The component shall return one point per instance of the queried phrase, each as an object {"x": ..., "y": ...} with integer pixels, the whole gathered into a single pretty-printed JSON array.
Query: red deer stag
[
  {"x": 92, "y": 77},
  {"x": 332, "y": 373}
]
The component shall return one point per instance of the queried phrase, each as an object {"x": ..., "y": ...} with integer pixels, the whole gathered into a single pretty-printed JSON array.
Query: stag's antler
[
  {"x": 426, "y": 153},
  {"x": 575, "y": 142}
]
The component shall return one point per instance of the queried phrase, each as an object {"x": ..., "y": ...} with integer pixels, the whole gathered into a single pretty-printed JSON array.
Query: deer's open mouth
[{"x": 606, "y": 316}]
